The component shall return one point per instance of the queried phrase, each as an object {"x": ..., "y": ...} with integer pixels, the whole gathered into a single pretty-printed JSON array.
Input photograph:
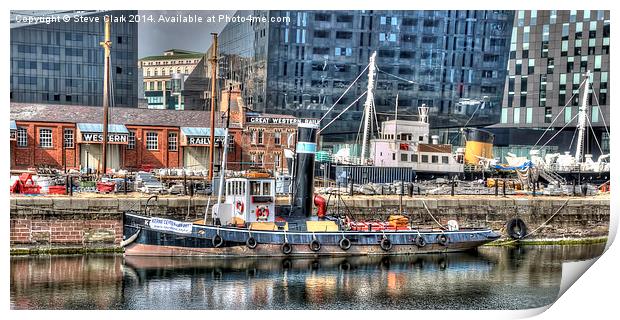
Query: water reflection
[{"x": 492, "y": 278}]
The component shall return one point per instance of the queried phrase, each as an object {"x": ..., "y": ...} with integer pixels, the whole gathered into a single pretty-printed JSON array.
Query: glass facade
[
  {"x": 62, "y": 62},
  {"x": 572, "y": 43},
  {"x": 302, "y": 64}
]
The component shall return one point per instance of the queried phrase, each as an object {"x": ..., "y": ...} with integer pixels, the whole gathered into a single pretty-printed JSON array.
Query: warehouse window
[
  {"x": 151, "y": 140},
  {"x": 277, "y": 138},
  {"x": 172, "y": 141},
  {"x": 45, "y": 138},
  {"x": 22, "y": 137},
  {"x": 69, "y": 138},
  {"x": 131, "y": 140},
  {"x": 259, "y": 138}
]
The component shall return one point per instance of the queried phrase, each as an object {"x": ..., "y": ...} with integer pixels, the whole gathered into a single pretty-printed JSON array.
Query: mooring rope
[
  {"x": 544, "y": 223},
  {"x": 429, "y": 212}
]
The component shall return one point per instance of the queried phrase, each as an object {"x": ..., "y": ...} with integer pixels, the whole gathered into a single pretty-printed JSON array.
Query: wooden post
[
  {"x": 213, "y": 61},
  {"x": 106, "y": 44}
]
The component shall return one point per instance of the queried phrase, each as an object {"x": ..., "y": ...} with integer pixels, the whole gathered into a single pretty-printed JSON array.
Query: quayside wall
[{"x": 76, "y": 223}]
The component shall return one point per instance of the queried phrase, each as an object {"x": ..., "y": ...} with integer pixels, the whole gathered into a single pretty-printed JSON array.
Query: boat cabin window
[
  {"x": 255, "y": 188},
  {"x": 267, "y": 188},
  {"x": 425, "y": 158}
]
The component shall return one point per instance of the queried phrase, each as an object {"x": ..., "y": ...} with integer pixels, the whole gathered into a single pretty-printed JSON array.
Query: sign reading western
[
  {"x": 203, "y": 141},
  {"x": 120, "y": 138},
  {"x": 278, "y": 120}
]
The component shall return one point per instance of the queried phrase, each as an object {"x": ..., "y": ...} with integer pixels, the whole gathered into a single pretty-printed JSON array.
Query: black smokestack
[{"x": 304, "y": 170}]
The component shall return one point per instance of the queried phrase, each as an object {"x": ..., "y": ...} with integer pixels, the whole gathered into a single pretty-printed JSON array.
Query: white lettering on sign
[
  {"x": 171, "y": 225},
  {"x": 98, "y": 137},
  {"x": 202, "y": 140},
  {"x": 272, "y": 120}
]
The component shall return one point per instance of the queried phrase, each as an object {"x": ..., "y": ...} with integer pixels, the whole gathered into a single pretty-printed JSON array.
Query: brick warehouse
[{"x": 141, "y": 139}]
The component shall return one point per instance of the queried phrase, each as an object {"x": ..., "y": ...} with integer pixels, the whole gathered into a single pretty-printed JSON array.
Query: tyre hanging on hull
[
  {"x": 420, "y": 242},
  {"x": 251, "y": 242},
  {"x": 442, "y": 239},
  {"x": 344, "y": 244},
  {"x": 386, "y": 244},
  {"x": 287, "y": 248},
  {"x": 516, "y": 229},
  {"x": 217, "y": 240},
  {"x": 315, "y": 245}
]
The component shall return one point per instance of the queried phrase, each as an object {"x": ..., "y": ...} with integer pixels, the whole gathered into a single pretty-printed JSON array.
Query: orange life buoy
[{"x": 262, "y": 213}]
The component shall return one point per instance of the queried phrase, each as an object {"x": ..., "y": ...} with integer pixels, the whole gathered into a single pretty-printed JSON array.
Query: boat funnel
[
  {"x": 303, "y": 178},
  {"x": 479, "y": 144}
]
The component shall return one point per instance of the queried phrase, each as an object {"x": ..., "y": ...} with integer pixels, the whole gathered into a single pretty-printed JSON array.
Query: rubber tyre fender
[
  {"x": 315, "y": 245},
  {"x": 287, "y": 248},
  {"x": 251, "y": 243},
  {"x": 516, "y": 229},
  {"x": 442, "y": 239},
  {"x": 386, "y": 244},
  {"x": 217, "y": 240},
  {"x": 420, "y": 242},
  {"x": 344, "y": 244}
]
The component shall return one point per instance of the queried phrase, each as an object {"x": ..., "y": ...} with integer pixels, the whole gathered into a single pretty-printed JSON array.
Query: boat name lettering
[{"x": 171, "y": 225}]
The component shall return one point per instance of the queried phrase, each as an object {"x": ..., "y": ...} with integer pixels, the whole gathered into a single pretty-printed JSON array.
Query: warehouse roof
[{"x": 119, "y": 115}]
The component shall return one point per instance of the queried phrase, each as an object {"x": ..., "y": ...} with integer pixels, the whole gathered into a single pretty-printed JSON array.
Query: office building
[
  {"x": 174, "y": 80},
  {"x": 550, "y": 53},
  {"x": 300, "y": 62},
  {"x": 58, "y": 62}
]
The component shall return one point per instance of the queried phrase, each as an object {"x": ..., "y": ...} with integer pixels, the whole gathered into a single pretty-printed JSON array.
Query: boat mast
[
  {"x": 213, "y": 61},
  {"x": 396, "y": 119},
  {"x": 368, "y": 105},
  {"x": 581, "y": 122},
  {"x": 106, "y": 44}
]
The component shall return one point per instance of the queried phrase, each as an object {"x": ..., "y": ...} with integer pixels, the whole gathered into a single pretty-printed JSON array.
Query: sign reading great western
[
  {"x": 119, "y": 138},
  {"x": 278, "y": 120},
  {"x": 203, "y": 141},
  {"x": 171, "y": 225}
]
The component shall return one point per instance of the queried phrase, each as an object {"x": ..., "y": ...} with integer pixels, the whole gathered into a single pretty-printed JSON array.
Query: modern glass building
[
  {"x": 58, "y": 62},
  {"x": 550, "y": 53},
  {"x": 300, "y": 62}
]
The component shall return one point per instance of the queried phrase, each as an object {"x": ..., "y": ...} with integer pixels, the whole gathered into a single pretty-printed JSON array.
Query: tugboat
[{"x": 246, "y": 224}]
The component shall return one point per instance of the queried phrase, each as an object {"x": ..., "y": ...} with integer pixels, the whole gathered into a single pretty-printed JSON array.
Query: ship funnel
[{"x": 303, "y": 192}]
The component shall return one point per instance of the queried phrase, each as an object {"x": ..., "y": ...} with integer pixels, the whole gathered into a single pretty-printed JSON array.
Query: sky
[{"x": 155, "y": 37}]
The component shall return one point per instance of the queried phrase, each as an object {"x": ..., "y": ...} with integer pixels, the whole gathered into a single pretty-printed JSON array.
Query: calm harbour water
[{"x": 492, "y": 278}]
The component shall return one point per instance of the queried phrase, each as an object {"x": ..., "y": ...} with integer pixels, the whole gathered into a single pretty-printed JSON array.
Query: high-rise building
[
  {"x": 550, "y": 53},
  {"x": 301, "y": 62},
  {"x": 58, "y": 60},
  {"x": 175, "y": 80}
]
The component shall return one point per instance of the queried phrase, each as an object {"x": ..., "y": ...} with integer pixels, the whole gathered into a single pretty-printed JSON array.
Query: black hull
[{"x": 145, "y": 241}]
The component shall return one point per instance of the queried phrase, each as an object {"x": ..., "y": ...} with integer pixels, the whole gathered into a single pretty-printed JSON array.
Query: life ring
[
  {"x": 344, "y": 244},
  {"x": 217, "y": 240},
  {"x": 315, "y": 245},
  {"x": 287, "y": 248},
  {"x": 251, "y": 242},
  {"x": 386, "y": 244},
  {"x": 262, "y": 213},
  {"x": 419, "y": 241},
  {"x": 516, "y": 228},
  {"x": 239, "y": 207},
  {"x": 442, "y": 239}
]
